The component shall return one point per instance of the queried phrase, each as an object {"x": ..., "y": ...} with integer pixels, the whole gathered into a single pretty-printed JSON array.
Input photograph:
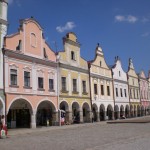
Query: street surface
[{"x": 96, "y": 136}]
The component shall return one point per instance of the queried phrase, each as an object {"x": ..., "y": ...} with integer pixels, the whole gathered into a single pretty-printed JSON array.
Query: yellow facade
[{"x": 74, "y": 70}]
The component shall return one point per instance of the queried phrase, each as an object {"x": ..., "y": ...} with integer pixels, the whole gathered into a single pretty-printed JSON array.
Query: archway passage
[
  {"x": 86, "y": 112},
  {"x": 142, "y": 111},
  {"x": 110, "y": 112},
  {"x": 19, "y": 115},
  {"x": 45, "y": 114},
  {"x": 121, "y": 111},
  {"x": 76, "y": 112},
  {"x": 138, "y": 111},
  {"x": 65, "y": 113},
  {"x": 95, "y": 110},
  {"x": 102, "y": 112},
  {"x": 116, "y": 113},
  {"x": 127, "y": 111}
]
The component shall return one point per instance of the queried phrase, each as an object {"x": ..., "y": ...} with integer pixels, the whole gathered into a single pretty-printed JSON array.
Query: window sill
[
  {"x": 64, "y": 91},
  {"x": 75, "y": 92},
  {"x": 27, "y": 87},
  {"x": 14, "y": 86},
  {"x": 51, "y": 90},
  {"x": 84, "y": 93},
  {"x": 41, "y": 89}
]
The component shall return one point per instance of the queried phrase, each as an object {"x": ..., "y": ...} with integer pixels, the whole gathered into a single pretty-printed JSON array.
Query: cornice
[{"x": 99, "y": 76}]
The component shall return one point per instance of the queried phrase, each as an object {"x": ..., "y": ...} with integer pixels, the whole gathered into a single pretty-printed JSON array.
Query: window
[
  {"x": 13, "y": 76},
  {"x": 44, "y": 51},
  {"x": 137, "y": 92},
  {"x": 108, "y": 90},
  {"x": 33, "y": 40},
  {"x": 19, "y": 47},
  {"x": 119, "y": 74},
  {"x": 130, "y": 93},
  {"x": 102, "y": 89},
  {"x": 134, "y": 93},
  {"x": 63, "y": 82},
  {"x": 27, "y": 79},
  {"x": 121, "y": 92},
  {"x": 74, "y": 85},
  {"x": 84, "y": 86},
  {"x": 51, "y": 84},
  {"x": 72, "y": 55},
  {"x": 100, "y": 63},
  {"x": 95, "y": 88},
  {"x": 40, "y": 83},
  {"x": 133, "y": 81},
  {"x": 116, "y": 92},
  {"x": 125, "y": 92}
]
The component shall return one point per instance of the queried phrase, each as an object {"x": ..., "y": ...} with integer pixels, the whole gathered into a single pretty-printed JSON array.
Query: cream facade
[
  {"x": 101, "y": 87},
  {"x": 30, "y": 78},
  {"x": 3, "y": 31},
  {"x": 134, "y": 94},
  {"x": 74, "y": 92},
  {"x": 121, "y": 95}
]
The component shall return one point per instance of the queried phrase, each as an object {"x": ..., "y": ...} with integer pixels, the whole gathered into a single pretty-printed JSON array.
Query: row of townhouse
[{"x": 38, "y": 87}]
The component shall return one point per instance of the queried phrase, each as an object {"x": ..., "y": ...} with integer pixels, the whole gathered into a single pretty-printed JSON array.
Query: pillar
[
  {"x": 33, "y": 120},
  {"x": 81, "y": 116}
]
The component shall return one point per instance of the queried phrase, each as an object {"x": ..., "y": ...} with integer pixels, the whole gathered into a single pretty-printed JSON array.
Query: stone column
[
  {"x": 81, "y": 116},
  {"x": 33, "y": 120},
  {"x": 55, "y": 118},
  {"x": 70, "y": 117}
]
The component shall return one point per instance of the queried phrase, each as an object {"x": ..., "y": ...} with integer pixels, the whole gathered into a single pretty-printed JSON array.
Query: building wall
[{"x": 30, "y": 53}]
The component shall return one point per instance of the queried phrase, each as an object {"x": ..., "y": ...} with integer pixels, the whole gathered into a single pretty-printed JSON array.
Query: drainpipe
[
  {"x": 3, "y": 51},
  {"x": 59, "y": 111},
  {"x": 89, "y": 66}
]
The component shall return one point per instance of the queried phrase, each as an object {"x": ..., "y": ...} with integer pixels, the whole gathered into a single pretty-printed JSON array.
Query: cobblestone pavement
[{"x": 97, "y": 136}]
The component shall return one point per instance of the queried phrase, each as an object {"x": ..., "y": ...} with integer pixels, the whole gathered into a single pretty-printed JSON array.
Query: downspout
[
  {"x": 89, "y": 66},
  {"x": 3, "y": 51},
  {"x": 113, "y": 89}
]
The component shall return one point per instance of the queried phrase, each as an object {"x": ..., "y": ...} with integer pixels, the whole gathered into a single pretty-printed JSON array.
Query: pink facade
[
  {"x": 30, "y": 78},
  {"x": 144, "y": 92}
]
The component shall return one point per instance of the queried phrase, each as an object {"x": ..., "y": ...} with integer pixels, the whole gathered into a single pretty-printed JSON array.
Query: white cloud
[
  {"x": 129, "y": 18},
  {"x": 68, "y": 26},
  {"x": 17, "y": 2},
  {"x": 145, "y": 34}
]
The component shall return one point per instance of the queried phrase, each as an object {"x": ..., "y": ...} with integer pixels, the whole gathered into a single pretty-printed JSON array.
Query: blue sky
[{"x": 122, "y": 27}]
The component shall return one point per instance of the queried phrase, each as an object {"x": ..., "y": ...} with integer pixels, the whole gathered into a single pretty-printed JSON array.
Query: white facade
[{"x": 120, "y": 88}]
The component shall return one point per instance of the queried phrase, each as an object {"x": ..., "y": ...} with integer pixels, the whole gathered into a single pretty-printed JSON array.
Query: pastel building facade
[
  {"x": 3, "y": 31},
  {"x": 144, "y": 92},
  {"x": 30, "y": 78},
  {"x": 101, "y": 87},
  {"x": 121, "y": 96},
  {"x": 74, "y": 92},
  {"x": 134, "y": 93}
]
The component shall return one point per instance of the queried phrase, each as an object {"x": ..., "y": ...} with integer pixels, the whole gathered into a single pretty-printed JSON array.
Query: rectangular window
[
  {"x": 13, "y": 76},
  {"x": 40, "y": 83},
  {"x": 72, "y": 55},
  {"x": 74, "y": 85},
  {"x": 63, "y": 82},
  {"x": 125, "y": 92},
  {"x": 116, "y": 92},
  {"x": 102, "y": 89},
  {"x": 108, "y": 90},
  {"x": 26, "y": 79},
  {"x": 121, "y": 92},
  {"x": 84, "y": 86},
  {"x": 95, "y": 88},
  {"x": 134, "y": 93},
  {"x": 51, "y": 84},
  {"x": 44, "y": 51},
  {"x": 137, "y": 92}
]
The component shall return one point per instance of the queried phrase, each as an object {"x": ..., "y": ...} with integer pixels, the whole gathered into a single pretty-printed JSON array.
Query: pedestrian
[{"x": 4, "y": 127}]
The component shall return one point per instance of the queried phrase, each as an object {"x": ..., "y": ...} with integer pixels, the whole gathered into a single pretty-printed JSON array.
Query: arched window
[{"x": 33, "y": 40}]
